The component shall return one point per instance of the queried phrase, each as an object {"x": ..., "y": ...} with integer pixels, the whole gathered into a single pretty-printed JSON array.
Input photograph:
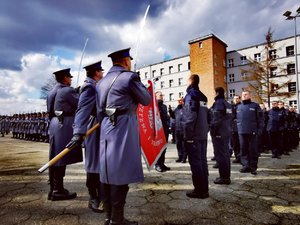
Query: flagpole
[
  {"x": 143, "y": 22},
  {"x": 86, "y": 41}
]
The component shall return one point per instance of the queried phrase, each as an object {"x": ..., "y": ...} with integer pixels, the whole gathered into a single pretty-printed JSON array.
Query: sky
[{"x": 40, "y": 37}]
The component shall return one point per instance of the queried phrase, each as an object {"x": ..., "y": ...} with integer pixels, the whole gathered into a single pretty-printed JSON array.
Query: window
[
  {"x": 289, "y": 50},
  {"x": 162, "y": 84},
  {"x": 179, "y": 67},
  {"x": 171, "y": 96},
  {"x": 290, "y": 69},
  {"x": 272, "y": 54},
  {"x": 189, "y": 65},
  {"x": 292, "y": 87},
  {"x": 180, "y": 81},
  {"x": 293, "y": 103},
  {"x": 243, "y": 60},
  {"x": 153, "y": 73},
  {"x": 230, "y": 63},
  {"x": 146, "y": 75},
  {"x": 171, "y": 83},
  {"x": 170, "y": 69},
  {"x": 244, "y": 75},
  {"x": 273, "y": 71},
  {"x": 161, "y": 71},
  {"x": 257, "y": 57},
  {"x": 180, "y": 95},
  {"x": 231, "y": 77},
  {"x": 200, "y": 44},
  {"x": 231, "y": 93}
]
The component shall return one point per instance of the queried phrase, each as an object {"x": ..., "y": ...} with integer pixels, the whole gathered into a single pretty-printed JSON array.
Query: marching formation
[{"x": 28, "y": 126}]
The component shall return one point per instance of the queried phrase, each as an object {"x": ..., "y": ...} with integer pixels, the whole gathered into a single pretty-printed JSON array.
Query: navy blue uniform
[
  {"x": 249, "y": 123},
  {"x": 195, "y": 129},
  {"x": 220, "y": 131}
]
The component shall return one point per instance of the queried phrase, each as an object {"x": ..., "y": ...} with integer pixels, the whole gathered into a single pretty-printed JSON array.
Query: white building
[{"x": 173, "y": 74}]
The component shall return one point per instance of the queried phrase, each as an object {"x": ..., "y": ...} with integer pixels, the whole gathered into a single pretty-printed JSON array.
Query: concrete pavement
[{"x": 271, "y": 197}]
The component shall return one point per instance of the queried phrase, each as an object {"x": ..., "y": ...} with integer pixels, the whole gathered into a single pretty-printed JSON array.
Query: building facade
[{"x": 217, "y": 67}]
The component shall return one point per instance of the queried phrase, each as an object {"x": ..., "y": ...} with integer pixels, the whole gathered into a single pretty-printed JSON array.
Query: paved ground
[{"x": 271, "y": 197}]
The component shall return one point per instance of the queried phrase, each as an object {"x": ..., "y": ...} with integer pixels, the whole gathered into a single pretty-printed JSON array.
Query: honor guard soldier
[
  {"x": 62, "y": 103},
  {"x": 85, "y": 119},
  {"x": 118, "y": 95}
]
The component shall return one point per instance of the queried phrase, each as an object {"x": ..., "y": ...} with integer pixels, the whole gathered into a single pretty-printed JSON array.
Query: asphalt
[{"x": 270, "y": 197}]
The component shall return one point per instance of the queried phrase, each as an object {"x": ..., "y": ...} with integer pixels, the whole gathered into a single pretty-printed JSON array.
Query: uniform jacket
[
  {"x": 220, "y": 118},
  {"x": 84, "y": 120},
  {"x": 165, "y": 119},
  {"x": 249, "y": 118},
  {"x": 274, "y": 120},
  {"x": 120, "y": 150},
  {"x": 62, "y": 98},
  {"x": 178, "y": 115},
  {"x": 195, "y": 115}
]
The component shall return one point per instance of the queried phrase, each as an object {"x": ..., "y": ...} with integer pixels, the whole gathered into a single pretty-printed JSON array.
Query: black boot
[
  {"x": 107, "y": 210},
  {"x": 117, "y": 217},
  {"x": 51, "y": 183},
  {"x": 94, "y": 202},
  {"x": 59, "y": 192}
]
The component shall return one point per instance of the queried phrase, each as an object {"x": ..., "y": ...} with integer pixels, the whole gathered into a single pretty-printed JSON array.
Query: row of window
[
  {"x": 291, "y": 89},
  {"x": 171, "y": 83},
  {"x": 257, "y": 56},
  {"x": 172, "y": 96},
  {"x": 273, "y": 72},
  {"x": 171, "y": 69}
]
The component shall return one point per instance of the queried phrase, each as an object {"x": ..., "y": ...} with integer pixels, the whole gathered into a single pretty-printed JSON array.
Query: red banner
[{"x": 152, "y": 135}]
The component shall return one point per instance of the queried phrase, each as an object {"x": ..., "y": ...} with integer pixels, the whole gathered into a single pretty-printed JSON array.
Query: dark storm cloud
[{"x": 41, "y": 26}]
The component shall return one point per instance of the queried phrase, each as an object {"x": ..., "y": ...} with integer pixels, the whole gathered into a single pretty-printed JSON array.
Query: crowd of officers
[
  {"x": 113, "y": 151},
  {"x": 27, "y": 126}
]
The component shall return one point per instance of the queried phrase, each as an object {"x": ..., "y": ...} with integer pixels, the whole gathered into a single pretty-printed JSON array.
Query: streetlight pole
[{"x": 288, "y": 16}]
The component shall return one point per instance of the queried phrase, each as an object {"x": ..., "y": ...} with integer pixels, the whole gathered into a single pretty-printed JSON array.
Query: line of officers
[
  {"x": 112, "y": 152},
  {"x": 26, "y": 126}
]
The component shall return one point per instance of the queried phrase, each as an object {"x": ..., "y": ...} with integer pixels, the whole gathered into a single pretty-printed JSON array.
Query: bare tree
[
  {"x": 262, "y": 74},
  {"x": 47, "y": 87}
]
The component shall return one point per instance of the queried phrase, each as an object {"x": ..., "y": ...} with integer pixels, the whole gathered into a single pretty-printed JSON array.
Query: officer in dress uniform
[
  {"x": 85, "y": 119},
  {"x": 118, "y": 95},
  {"x": 195, "y": 129},
  {"x": 62, "y": 103}
]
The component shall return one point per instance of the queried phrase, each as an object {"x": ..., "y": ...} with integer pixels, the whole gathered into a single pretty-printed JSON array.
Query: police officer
[
  {"x": 165, "y": 119},
  {"x": 85, "y": 119},
  {"x": 249, "y": 123},
  {"x": 220, "y": 131},
  {"x": 273, "y": 127},
  {"x": 118, "y": 95},
  {"x": 235, "y": 143},
  {"x": 178, "y": 116},
  {"x": 62, "y": 103},
  {"x": 195, "y": 129}
]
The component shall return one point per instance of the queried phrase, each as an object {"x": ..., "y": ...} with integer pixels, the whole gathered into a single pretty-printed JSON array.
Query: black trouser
[
  {"x": 161, "y": 161},
  {"x": 235, "y": 144},
  {"x": 182, "y": 154},
  {"x": 114, "y": 199},
  {"x": 197, "y": 159},
  {"x": 221, "y": 151},
  {"x": 93, "y": 184},
  {"x": 275, "y": 142},
  {"x": 56, "y": 177},
  {"x": 249, "y": 153}
]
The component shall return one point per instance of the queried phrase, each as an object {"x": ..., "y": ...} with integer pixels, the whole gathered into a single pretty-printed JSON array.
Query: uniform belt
[{"x": 120, "y": 112}]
